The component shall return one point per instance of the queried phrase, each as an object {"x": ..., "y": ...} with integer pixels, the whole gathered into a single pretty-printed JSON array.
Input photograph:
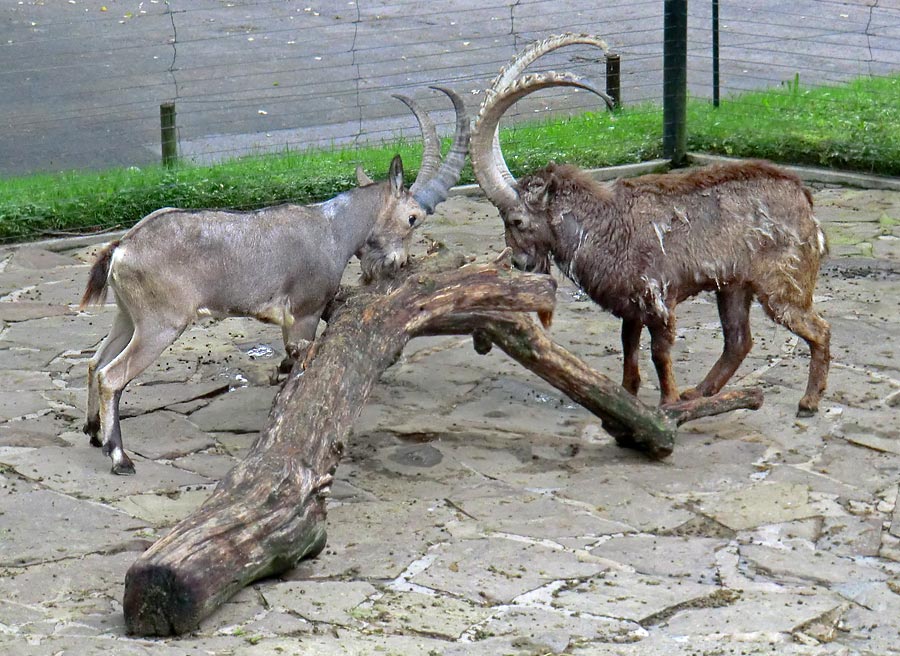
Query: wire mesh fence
[
  {"x": 82, "y": 81},
  {"x": 84, "y": 85},
  {"x": 802, "y": 48}
]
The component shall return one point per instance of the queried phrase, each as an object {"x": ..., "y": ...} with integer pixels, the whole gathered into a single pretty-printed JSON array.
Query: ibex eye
[{"x": 412, "y": 219}]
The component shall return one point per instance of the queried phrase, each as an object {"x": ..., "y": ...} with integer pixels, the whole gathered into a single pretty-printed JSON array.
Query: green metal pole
[{"x": 675, "y": 81}]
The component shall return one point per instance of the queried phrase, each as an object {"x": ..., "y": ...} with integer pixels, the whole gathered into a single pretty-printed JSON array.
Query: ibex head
[
  {"x": 527, "y": 227},
  {"x": 525, "y": 219},
  {"x": 386, "y": 248}
]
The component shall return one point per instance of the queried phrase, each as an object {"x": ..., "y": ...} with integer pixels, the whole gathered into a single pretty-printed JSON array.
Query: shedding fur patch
[
  {"x": 662, "y": 229},
  {"x": 653, "y": 301}
]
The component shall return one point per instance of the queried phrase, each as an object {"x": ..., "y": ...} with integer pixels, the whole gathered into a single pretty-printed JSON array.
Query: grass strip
[{"x": 853, "y": 126}]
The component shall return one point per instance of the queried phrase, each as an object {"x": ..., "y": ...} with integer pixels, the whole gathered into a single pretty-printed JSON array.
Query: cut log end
[
  {"x": 159, "y": 601},
  {"x": 658, "y": 445}
]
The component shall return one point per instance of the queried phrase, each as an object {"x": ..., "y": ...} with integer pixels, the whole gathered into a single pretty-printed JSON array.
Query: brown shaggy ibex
[
  {"x": 640, "y": 247},
  {"x": 280, "y": 264}
]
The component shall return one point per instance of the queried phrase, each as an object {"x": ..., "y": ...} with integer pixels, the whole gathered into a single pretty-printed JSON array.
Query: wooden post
[
  {"x": 613, "y": 78},
  {"x": 168, "y": 133}
]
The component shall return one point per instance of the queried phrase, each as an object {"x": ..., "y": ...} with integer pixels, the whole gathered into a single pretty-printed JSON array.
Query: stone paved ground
[{"x": 477, "y": 511}]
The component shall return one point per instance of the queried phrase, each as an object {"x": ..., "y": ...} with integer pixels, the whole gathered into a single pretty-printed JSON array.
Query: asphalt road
[{"x": 81, "y": 81}]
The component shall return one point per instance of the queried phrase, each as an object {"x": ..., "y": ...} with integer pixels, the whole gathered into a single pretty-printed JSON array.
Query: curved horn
[
  {"x": 511, "y": 71},
  {"x": 431, "y": 149},
  {"x": 488, "y": 164},
  {"x": 434, "y": 190}
]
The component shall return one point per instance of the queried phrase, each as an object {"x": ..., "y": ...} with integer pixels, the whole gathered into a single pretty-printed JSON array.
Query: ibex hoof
[
  {"x": 123, "y": 468},
  {"x": 806, "y": 413},
  {"x": 92, "y": 428},
  {"x": 285, "y": 366},
  {"x": 690, "y": 394}
]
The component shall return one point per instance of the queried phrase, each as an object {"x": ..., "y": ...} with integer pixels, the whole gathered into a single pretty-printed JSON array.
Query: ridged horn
[
  {"x": 433, "y": 191},
  {"x": 511, "y": 71},
  {"x": 431, "y": 149},
  {"x": 488, "y": 163}
]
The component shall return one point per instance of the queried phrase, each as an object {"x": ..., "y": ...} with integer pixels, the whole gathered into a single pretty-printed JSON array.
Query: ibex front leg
[
  {"x": 662, "y": 337},
  {"x": 298, "y": 337},
  {"x": 631, "y": 344}
]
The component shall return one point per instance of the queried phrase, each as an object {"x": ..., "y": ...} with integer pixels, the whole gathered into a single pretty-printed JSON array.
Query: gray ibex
[
  {"x": 280, "y": 264},
  {"x": 640, "y": 247}
]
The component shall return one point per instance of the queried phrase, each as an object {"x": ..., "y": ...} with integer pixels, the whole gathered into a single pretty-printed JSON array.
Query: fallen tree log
[{"x": 269, "y": 510}]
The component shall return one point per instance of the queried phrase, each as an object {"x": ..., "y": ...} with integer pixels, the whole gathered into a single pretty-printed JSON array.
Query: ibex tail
[{"x": 95, "y": 292}]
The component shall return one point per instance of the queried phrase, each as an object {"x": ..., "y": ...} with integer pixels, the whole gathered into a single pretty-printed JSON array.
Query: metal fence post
[
  {"x": 715, "y": 52},
  {"x": 675, "y": 81},
  {"x": 168, "y": 133}
]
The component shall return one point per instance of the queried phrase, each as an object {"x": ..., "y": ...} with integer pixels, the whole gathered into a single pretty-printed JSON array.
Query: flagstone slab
[
  {"x": 15, "y": 311},
  {"x": 86, "y": 471},
  {"x": 141, "y": 399},
  {"x": 763, "y": 503},
  {"x": 556, "y": 631},
  {"x": 636, "y": 597},
  {"x": 209, "y": 464},
  {"x": 688, "y": 558},
  {"x": 44, "y": 430},
  {"x": 530, "y": 514},
  {"x": 20, "y": 403},
  {"x": 31, "y": 258},
  {"x": 811, "y": 566},
  {"x": 241, "y": 410},
  {"x": 614, "y": 497},
  {"x": 68, "y": 528},
  {"x": 62, "y": 333},
  {"x": 332, "y": 602},
  {"x": 496, "y": 570},
  {"x": 164, "y": 509},
  {"x": 69, "y": 589},
  {"x": 377, "y": 540},
  {"x": 164, "y": 435},
  {"x": 754, "y": 612},
  {"x": 433, "y": 615}
]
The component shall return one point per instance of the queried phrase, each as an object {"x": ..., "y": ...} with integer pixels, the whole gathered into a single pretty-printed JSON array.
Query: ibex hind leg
[
  {"x": 114, "y": 343},
  {"x": 734, "y": 314},
  {"x": 805, "y": 322},
  {"x": 147, "y": 343}
]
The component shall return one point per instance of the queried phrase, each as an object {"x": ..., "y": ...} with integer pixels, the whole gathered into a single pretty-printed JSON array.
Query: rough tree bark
[{"x": 269, "y": 511}]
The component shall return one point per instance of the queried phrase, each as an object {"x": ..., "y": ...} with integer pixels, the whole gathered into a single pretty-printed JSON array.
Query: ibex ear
[
  {"x": 536, "y": 193},
  {"x": 396, "y": 176},
  {"x": 362, "y": 179}
]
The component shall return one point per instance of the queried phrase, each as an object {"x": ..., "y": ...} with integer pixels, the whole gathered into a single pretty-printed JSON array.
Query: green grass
[{"x": 854, "y": 126}]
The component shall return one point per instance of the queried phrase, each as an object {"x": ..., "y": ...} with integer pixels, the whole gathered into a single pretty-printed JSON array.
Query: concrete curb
[
  {"x": 58, "y": 244},
  {"x": 814, "y": 174}
]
